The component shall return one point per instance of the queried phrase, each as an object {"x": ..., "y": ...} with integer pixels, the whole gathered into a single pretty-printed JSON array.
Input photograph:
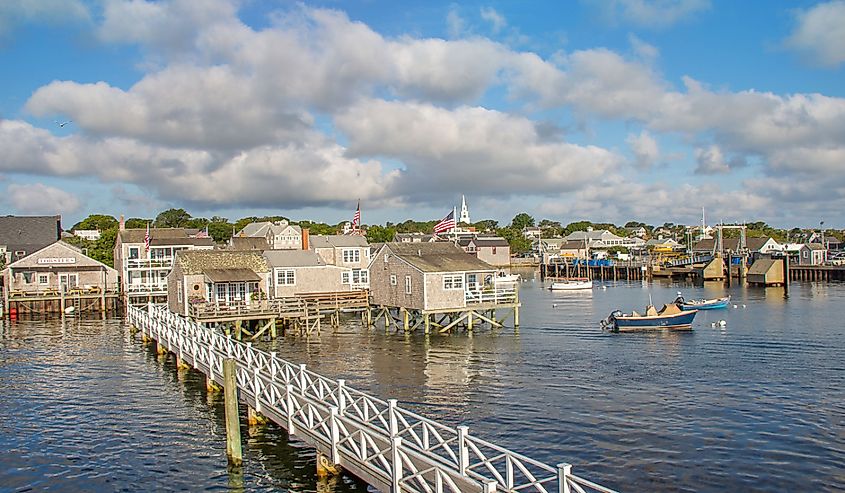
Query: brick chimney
[
  {"x": 122, "y": 223},
  {"x": 305, "y": 238}
]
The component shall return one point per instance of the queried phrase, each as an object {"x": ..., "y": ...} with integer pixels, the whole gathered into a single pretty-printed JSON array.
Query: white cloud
[
  {"x": 648, "y": 13},
  {"x": 711, "y": 161},
  {"x": 38, "y": 198},
  {"x": 645, "y": 149},
  {"x": 497, "y": 21},
  {"x": 645, "y": 51},
  {"x": 820, "y": 33},
  {"x": 455, "y": 24},
  {"x": 469, "y": 148}
]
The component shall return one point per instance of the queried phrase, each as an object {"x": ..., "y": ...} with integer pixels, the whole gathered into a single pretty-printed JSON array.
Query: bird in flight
[{"x": 62, "y": 124}]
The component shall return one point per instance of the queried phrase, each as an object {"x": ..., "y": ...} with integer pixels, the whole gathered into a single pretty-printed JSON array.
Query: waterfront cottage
[
  {"x": 59, "y": 268},
  {"x": 294, "y": 272},
  {"x": 426, "y": 276},
  {"x": 812, "y": 254},
  {"x": 350, "y": 252},
  {"x": 223, "y": 279}
]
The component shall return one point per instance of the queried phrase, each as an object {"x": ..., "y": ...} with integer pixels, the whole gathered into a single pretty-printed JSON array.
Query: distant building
[
  {"x": 532, "y": 232},
  {"x": 296, "y": 272},
  {"x": 87, "y": 234},
  {"x": 280, "y": 235},
  {"x": 413, "y": 238},
  {"x": 348, "y": 251},
  {"x": 23, "y": 235},
  {"x": 464, "y": 212},
  {"x": 600, "y": 239},
  {"x": 143, "y": 271},
  {"x": 638, "y": 231},
  {"x": 812, "y": 254},
  {"x": 756, "y": 246},
  {"x": 494, "y": 250},
  {"x": 248, "y": 243}
]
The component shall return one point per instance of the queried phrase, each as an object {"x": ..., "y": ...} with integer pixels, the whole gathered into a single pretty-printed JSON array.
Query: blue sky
[{"x": 609, "y": 110}]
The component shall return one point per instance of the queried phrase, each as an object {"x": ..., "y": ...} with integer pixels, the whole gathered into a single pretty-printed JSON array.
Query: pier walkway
[{"x": 389, "y": 447}]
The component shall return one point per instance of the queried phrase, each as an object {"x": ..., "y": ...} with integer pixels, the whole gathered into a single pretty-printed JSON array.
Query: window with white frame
[
  {"x": 360, "y": 276},
  {"x": 407, "y": 284},
  {"x": 344, "y": 277},
  {"x": 393, "y": 279},
  {"x": 179, "y": 294},
  {"x": 351, "y": 255},
  {"x": 285, "y": 277},
  {"x": 453, "y": 281},
  {"x": 43, "y": 279}
]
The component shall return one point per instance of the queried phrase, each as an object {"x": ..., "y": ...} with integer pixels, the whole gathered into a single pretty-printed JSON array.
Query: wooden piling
[{"x": 233, "y": 428}]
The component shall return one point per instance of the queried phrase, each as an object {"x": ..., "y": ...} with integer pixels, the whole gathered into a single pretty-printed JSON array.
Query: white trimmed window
[
  {"x": 407, "y": 284},
  {"x": 453, "y": 281},
  {"x": 344, "y": 277},
  {"x": 393, "y": 279},
  {"x": 43, "y": 279},
  {"x": 351, "y": 255},
  {"x": 286, "y": 277},
  {"x": 360, "y": 276}
]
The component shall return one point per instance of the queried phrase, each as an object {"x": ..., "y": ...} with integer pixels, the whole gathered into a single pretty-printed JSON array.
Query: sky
[{"x": 600, "y": 110}]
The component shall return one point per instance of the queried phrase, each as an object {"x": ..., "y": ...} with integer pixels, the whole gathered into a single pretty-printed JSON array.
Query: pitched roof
[
  {"x": 231, "y": 275},
  {"x": 815, "y": 246},
  {"x": 249, "y": 243},
  {"x": 761, "y": 266},
  {"x": 29, "y": 233},
  {"x": 200, "y": 261},
  {"x": 163, "y": 237},
  {"x": 332, "y": 241},
  {"x": 438, "y": 257},
  {"x": 491, "y": 241},
  {"x": 293, "y": 258},
  {"x": 55, "y": 249},
  {"x": 753, "y": 244}
]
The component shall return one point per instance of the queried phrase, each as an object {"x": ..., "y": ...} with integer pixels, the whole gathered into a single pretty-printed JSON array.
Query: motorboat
[
  {"x": 702, "y": 304},
  {"x": 670, "y": 317}
]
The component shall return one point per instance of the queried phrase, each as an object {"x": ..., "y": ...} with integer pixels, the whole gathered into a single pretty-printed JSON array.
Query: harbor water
[{"x": 754, "y": 404}]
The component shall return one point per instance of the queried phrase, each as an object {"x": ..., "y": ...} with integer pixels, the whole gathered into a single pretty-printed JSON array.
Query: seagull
[{"x": 62, "y": 124}]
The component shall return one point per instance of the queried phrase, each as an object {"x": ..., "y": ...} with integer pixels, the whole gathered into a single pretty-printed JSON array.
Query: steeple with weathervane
[{"x": 464, "y": 211}]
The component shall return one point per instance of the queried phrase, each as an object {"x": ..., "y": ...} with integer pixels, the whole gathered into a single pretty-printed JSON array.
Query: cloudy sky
[{"x": 606, "y": 110}]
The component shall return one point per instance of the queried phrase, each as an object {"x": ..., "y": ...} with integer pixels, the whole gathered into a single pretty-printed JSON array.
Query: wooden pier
[
  {"x": 48, "y": 301},
  {"x": 628, "y": 271}
]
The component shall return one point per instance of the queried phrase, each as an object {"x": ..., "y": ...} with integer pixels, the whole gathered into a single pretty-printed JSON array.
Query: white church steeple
[{"x": 464, "y": 211}]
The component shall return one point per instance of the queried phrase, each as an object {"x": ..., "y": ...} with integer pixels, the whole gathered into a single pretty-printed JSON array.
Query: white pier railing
[{"x": 384, "y": 444}]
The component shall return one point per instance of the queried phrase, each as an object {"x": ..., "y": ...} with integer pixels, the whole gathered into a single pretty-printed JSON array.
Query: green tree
[
  {"x": 522, "y": 221},
  {"x": 96, "y": 221},
  {"x": 136, "y": 223},
  {"x": 577, "y": 226},
  {"x": 518, "y": 243},
  {"x": 172, "y": 218},
  {"x": 380, "y": 234},
  {"x": 486, "y": 225},
  {"x": 220, "y": 230}
]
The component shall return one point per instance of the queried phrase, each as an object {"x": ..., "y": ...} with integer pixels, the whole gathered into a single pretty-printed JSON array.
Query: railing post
[
  {"x": 335, "y": 430},
  {"x": 289, "y": 405},
  {"x": 341, "y": 396},
  {"x": 489, "y": 486},
  {"x": 391, "y": 416},
  {"x": 563, "y": 472},
  {"x": 303, "y": 383},
  {"x": 396, "y": 474},
  {"x": 463, "y": 452},
  {"x": 257, "y": 389}
]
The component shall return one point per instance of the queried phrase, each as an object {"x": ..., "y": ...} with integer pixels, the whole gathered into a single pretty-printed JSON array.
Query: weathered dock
[
  {"x": 386, "y": 445},
  {"x": 53, "y": 300}
]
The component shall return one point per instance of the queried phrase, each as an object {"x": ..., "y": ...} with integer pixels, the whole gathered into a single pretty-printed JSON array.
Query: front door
[{"x": 67, "y": 281}]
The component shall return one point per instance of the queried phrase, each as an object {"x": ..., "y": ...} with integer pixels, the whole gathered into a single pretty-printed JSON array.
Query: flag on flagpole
[
  {"x": 446, "y": 223},
  {"x": 147, "y": 239},
  {"x": 356, "y": 219},
  {"x": 203, "y": 234}
]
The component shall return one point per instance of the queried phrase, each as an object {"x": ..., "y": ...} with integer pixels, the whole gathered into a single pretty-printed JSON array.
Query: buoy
[
  {"x": 722, "y": 323},
  {"x": 70, "y": 309},
  {"x": 604, "y": 288},
  {"x": 743, "y": 306},
  {"x": 734, "y": 306},
  {"x": 554, "y": 305},
  {"x": 712, "y": 324}
]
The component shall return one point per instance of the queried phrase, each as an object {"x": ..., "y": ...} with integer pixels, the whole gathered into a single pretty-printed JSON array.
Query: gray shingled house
[
  {"x": 23, "y": 235},
  {"x": 425, "y": 276},
  {"x": 294, "y": 272}
]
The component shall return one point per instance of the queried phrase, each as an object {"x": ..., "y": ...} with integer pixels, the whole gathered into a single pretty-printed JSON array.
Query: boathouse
[
  {"x": 436, "y": 284},
  {"x": 218, "y": 280},
  {"x": 59, "y": 276},
  {"x": 766, "y": 272},
  {"x": 143, "y": 266}
]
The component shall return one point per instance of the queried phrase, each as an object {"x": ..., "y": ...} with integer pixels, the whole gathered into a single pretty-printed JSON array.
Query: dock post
[
  {"x": 563, "y": 471},
  {"x": 786, "y": 276},
  {"x": 233, "y": 429},
  {"x": 273, "y": 332},
  {"x": 405, "y": 319},
  {"x": 469, "y": 321},
  {"x": 427, "y": 323}
]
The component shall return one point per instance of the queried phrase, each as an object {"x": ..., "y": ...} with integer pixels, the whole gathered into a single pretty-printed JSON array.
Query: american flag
[
  {"x": 147, "y": 238},
  {"x": 203, "y": 233},
  {"x": 356, "y": 219},
  {"x": 446, "y": 223}
]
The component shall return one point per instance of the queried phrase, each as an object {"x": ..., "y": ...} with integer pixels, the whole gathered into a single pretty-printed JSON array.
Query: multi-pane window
[
  {"x": 43, "y": 279},
  {"x": 407, "y": 284},
  {"x": 453, "y": 281},
  {"x": 285, "y": 277},
  {"x": 344, "y": 277},
  {"x": 393, "y": 279},
  {"x": 351, "y": 255},
  {"x": 360, "y": 276}
]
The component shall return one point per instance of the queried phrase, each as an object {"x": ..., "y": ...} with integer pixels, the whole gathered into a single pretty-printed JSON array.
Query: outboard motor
[{"x": 609, "y": 322}]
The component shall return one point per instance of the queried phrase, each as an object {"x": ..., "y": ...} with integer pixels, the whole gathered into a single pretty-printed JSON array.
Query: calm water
[{"x": 756, "y": 405}]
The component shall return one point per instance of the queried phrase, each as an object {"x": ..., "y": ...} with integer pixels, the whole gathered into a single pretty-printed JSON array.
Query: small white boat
[{"x": 572, "y": 284}]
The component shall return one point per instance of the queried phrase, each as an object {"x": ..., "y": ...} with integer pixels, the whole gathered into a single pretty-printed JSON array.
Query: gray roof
[
  {"x": 491, "y": 241},
  {"x": 753, "y": 244},
  {"x": 293, "y": 258},
  {"x": 200, "y": 261},
  {"x": 163, "y": 237},
  {"x": 240, "y": 274},
  {"x": 29, "y": 233},
  {"x": 249, "y": 243},
  {"x": 332, "y": 241},
  {"x": 264, "y": 227},
  {"x": 815, "y": 246},
  {"x": 438, "y": 257}
]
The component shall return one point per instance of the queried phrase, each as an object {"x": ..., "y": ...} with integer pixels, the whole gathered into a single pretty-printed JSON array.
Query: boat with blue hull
[
  {"x": 671, "y": 317},
  {"x": 710, "y": 304}
]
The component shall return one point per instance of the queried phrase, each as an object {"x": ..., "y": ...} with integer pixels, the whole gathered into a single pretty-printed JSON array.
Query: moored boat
[
  {"x": 702, "y": 304},
  {"x": 671, "y": 317},
  {"x": 572, "y": 284},
  {"x": 502, "y": 278}
]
